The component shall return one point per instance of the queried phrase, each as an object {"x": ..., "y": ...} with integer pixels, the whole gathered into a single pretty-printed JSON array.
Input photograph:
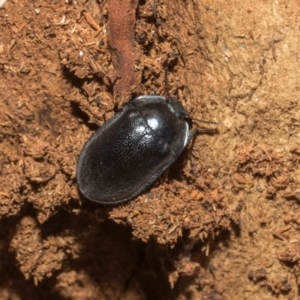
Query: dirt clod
[{"x": 222, "y": 222}]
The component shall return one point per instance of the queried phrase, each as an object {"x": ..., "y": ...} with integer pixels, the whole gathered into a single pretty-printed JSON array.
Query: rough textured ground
[{"x": 223, "y": 221}]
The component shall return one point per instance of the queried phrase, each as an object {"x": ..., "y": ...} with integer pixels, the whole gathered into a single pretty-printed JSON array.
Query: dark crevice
[
  {"x": 71, "y": 77},
  {"x": 11, "y": 278},
  {"x": 80, "y": 114}
]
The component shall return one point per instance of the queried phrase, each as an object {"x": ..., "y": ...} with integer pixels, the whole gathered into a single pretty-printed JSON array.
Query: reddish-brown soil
[{"x": 223, "y": 221}]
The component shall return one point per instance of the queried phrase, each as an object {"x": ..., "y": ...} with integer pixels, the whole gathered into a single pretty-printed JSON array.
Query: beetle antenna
[{"x": 166, "y": 84}]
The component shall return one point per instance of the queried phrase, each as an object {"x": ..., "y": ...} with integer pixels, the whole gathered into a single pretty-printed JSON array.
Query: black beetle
[{"x": 131, "y": 150}]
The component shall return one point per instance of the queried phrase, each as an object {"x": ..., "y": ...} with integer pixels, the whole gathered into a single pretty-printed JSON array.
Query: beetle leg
[
  {"x": 197, "y": 130},
  {"x": 206, "y": 122}
]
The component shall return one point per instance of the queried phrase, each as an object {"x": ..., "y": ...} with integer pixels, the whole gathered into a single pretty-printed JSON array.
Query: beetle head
[{"x": 176, "y": 106}]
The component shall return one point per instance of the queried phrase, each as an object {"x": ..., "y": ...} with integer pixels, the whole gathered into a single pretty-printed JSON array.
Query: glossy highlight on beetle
[{"x": 131, "y": 150}]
